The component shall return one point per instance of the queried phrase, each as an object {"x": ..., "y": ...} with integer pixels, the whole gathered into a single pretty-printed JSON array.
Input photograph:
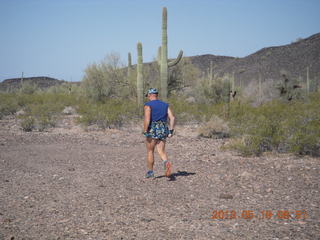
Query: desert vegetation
[
  {"x": 111, "y": 94},
  {"x": 289, "y": 123}
]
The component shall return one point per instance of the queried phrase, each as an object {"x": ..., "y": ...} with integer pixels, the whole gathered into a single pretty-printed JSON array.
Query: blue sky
[{"x": 59, "y": 38}]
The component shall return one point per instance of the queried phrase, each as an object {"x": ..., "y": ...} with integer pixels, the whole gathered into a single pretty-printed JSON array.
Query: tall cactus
[
  {"x": 129, "y": 67},
  {"x": 163, "y": 59},
  {"x": 233, "y": 91},
  {"x": 308, "y": 82},
  {"x": 226, "y": 90},
  {"x": 210, "y": 72},
  {"x": 260, "y": 89},
  {"x": 139, "y": 75}
]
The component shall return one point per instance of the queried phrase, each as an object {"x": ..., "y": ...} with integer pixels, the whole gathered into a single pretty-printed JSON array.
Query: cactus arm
[{"x": 176, "y": 61}]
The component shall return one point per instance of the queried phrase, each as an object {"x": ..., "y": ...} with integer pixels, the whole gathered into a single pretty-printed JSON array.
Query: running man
[{"x": 156, "y": 130}]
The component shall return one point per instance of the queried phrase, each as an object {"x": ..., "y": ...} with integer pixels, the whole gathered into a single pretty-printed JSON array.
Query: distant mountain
[
  {"x": 41, "y": 82},
  {"x": 269, "y": 64}
]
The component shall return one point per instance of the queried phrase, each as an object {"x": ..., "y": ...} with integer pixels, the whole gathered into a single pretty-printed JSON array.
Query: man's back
[{"x": 159, "y": 110}]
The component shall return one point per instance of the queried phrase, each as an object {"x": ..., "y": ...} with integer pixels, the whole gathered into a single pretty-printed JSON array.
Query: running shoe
[{"x": 150, "y": 174}]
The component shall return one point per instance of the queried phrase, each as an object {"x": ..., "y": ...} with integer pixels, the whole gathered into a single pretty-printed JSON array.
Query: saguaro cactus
[
  {"x": 129, "y": 66},
  {"x": 308, "y": 82},
  {"x": 260, "y": 89},
  {"x": 211, "y": 72},
  {"x": 139, "y": 75},
  {"x": 227, "y": 88},
  {"x": 163, "y": 59}
]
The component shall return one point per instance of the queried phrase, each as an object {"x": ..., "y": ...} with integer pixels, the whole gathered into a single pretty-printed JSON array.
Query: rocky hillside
[
  {"x": 269, "y": 64},
  {"x": 42, "y": 82}
]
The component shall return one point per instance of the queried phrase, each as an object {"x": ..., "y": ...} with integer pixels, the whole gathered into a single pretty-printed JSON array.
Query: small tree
[{"x": 106, "y": 79}]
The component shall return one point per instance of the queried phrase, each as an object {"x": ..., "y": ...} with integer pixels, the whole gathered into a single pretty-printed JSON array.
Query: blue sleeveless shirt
[{"x": 159, "y": 110}]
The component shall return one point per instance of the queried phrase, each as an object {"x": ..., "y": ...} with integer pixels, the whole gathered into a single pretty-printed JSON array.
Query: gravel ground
[{"x": 68, "y": 183}]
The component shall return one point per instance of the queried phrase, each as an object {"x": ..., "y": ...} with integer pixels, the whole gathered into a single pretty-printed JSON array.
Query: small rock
[
  {"x": 269, "y": 190},
  {"x": 69, "y": 110},
  {"x": 225, "y": 196},
  {"x": 190, "y": 100},
  {"x": 245, "y": 174},
  {"x": 20, "y": 113},
  {"x": 147, "y": 219}
]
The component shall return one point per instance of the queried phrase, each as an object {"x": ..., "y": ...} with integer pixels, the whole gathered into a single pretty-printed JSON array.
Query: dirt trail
[{"x": 71, "y": 184}]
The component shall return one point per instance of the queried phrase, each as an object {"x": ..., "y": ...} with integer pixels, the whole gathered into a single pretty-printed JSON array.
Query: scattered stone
[
  {"x": 225, "y": 196},
  {"x": 69, "y": 111},
  {"x": 20, "y": 113},
  {"x": 190, "y": 100}
]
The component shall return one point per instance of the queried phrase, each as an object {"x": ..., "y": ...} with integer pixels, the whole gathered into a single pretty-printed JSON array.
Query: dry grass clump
[{"x": 214, "y": 128}]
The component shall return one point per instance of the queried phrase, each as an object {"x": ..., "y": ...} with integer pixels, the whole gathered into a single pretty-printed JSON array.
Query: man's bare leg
[
  {"x": 161, "y": 145},
  {"x": 150, "y": 143},
  {"x": 161, "y": 150}
]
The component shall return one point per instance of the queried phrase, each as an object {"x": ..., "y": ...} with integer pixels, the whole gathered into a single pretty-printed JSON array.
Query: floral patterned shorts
[{"x": 158, "y": 130}]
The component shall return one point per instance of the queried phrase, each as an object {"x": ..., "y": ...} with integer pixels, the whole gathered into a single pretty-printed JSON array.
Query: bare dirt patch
[{"x": 71, "y": 184}]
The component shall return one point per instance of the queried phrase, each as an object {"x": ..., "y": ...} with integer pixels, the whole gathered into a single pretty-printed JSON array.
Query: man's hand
[
  {"x": 145, "y": 133},
  {"x": 170, "y": 133}
]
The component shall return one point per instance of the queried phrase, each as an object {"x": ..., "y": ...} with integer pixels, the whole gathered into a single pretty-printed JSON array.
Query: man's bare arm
[
  {"x": 147, "y": 117},
  {"x": 171, "y": 119}
]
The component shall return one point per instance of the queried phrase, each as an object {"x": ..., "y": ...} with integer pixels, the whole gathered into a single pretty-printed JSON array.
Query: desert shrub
[
  {"x": 111, "y": 114},
  {"x": 8, "y": 104},
  {"x": 209, "y": 91},
  {"x": 48, "y": 98},
  {"x": 193, "y": 112},
  {"x": 45, "y": 114},
  {"x": 277, "y": 126},
  {"x": 44, "y": 108},
  {"x": 214, "y": 128},
  {"x": 302, "y": 127},
  {"x": 66, "y": 88},
  {"x": 27, "y": 123},
  {"x": 105, "y": 79},
  {"x": 28, "y": 88},
  {"x": 183, "y": 110},
  {"x": 181, "y": 75},
  {"x": 245, "y": 145}
]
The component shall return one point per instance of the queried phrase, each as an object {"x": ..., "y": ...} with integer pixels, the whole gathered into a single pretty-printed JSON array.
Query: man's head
[{"x": 152, "y": 93}]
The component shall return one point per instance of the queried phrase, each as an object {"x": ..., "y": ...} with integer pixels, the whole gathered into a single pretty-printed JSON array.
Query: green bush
[
  {"x": 112, "y": 114},
  {"x": 45, "y": 114},
  {"x": 28, "y": 88},
  {"x": 214, "y": 128},
  {"x": 105, "y": 79},
  {"x": 277, "y": 126},
  {"x": 303, "y": 130},
  {"x": 43, "y": 107},
  {"x": 189, "y": 112},
  {"x": 8, "y": 104},
  {"x": 27, "y": 123}
]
